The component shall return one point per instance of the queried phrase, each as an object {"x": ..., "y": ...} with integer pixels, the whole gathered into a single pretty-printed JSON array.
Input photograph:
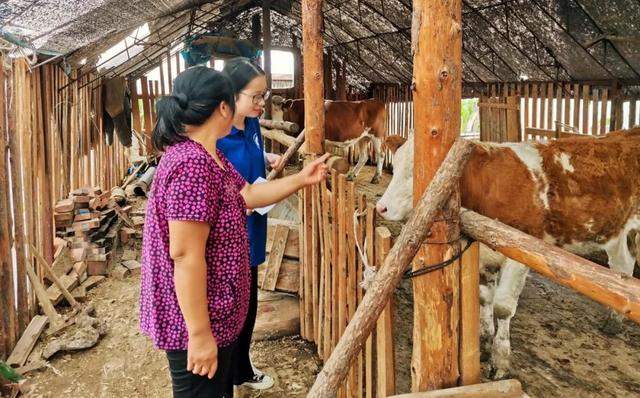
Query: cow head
[{"x": 397, "y": 201}]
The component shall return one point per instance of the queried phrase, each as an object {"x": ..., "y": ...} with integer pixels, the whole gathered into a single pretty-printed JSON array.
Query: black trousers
[
  {"x": 189, "y": 385},
  {"x": 242, "y": 369}
]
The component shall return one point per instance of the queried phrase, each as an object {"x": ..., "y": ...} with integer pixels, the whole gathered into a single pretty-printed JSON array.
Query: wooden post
[
  {"x": 313, "y": 76},
  {"x": 341, "y": 81},
  {"x": 413, "y": 234},
  {"x": 470, "y": 316},
  {"x": 266, "y": 48},
  {"x": 437, "y": 46},
  {"x": 385, "y": 353},
  {"x": 616, "y": 291}
]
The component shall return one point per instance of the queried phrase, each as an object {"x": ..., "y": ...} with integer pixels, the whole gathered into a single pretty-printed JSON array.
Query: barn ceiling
[{"x": 503, "y": 40}]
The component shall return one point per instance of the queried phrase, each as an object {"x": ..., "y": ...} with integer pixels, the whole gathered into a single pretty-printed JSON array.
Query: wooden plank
[
  {"x": 146, "y": 109},
  {"x": 512, "y": 132},
  {"x": 632, "y": 113},
  {"x": 8, "y": 97},
  {"x": 335, "y": 261},
  {"x": 288, "y": 278},
  {"x": 8, "y": 316},
  {"x": 370, "y": 384},
  {"x": 498, "y": 105},
  {"x": 534, "y": 96},
  {"x": 342, "y": 254},
  {"x": 576, "y": 107},
  {"x": 274, "y": 260},
  {"x": 544, "y": 99},
  {"x": 169, "y": 71},
  {"x": 594, "y": 115},
  {"x": 135, "y": 111},
  {"x": 327, "y": 255},
  {"x": 550, "y": 124},
  {"x": 27, "y": 341},
  {"x": 527, "y": 109},
  {"x": 385, "y": 357},
  {"x": 321, "y": 269},
  {"x": 585, "y": 109},
  {"x": 308, "y": 232},
  {"x": 303, "y": 259},
  {"x": 495, "y": 389},
  {"x": 362, "y": 209},
  {"x": 566, "y": 95},
  {"x": 558, "y": 117},
  {"x": 604, "y": 100},
  {"x": 315, "y": 269},
  {"x": 470, "y": 316},
  {"x": 292, "y": 247},
  {"x": 351, "y": 275}
]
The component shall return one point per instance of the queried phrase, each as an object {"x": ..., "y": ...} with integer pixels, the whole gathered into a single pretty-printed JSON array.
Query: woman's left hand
[
  {"x": 315, "y": 171},
  {"x": 274, "y": 160}
]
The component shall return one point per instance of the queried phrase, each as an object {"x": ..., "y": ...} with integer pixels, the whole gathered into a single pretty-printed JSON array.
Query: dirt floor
[
  {"x": 558, "y": 349},
  {"x": 125, "y": 364}
]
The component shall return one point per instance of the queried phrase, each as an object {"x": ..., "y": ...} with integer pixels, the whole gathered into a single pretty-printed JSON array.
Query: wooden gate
[{"x": 500, "y": 119}]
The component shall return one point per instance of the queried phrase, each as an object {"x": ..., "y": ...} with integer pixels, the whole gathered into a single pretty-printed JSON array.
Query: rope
[
  {"x": 434, "y": 267},
  {"x": 368, "y": 272}
]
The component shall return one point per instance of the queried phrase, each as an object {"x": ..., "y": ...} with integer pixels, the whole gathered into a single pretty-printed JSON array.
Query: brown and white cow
[
  {"x": 350, "y": 122},
  {"x": 581, "y": 194}
]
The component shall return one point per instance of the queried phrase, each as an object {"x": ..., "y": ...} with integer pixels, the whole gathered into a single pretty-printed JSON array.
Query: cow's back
[{"x": 568, "y": 190}]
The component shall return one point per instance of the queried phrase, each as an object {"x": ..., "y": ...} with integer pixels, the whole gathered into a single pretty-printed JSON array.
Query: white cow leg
[
  {"x": 487, "y": 326},
  {"x": 362, "y": 160},
  {"x": 377, "y": 150},
  {"x": 620, "y": 260},
  {"x": 505, "y": 301}
]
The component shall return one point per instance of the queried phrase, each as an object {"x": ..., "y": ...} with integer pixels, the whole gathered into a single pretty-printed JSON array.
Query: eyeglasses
[{"x": 257, "y": 98}]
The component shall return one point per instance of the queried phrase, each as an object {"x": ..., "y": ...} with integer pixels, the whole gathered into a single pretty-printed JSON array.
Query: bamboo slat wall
[
  {"x": 548, "y": 109},
  {"x": 145, "y": 92},
  {"x": 53, "y": 144},
  {"x": 330, "y": 278}
]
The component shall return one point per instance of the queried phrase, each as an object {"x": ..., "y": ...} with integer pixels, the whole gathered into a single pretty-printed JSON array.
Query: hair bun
[{"x": 182, "y": 99}]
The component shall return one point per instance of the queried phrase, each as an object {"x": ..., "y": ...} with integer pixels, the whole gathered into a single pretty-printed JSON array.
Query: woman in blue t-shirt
[{"x": 245, "y": 149}]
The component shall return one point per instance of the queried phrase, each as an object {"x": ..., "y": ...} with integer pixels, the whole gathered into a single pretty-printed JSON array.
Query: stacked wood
[
  {"x": 86, "y": 220},
  {"x": 281, "y": 272}
]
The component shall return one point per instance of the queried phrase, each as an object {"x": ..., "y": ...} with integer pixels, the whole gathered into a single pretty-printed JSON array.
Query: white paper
[{"x": 262, "y": 210}]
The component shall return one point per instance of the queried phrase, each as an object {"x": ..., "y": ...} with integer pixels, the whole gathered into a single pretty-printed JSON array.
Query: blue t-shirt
[{"x": 245, "y": 150}]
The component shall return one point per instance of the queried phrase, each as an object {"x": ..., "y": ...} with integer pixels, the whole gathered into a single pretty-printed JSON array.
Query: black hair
[
  {"x": 241, "y": 71},
  {"x": 197, "y": 93}
]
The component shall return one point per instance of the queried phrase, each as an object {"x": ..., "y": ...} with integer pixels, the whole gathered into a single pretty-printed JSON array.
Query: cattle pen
[{"x": 351, "y": 305}]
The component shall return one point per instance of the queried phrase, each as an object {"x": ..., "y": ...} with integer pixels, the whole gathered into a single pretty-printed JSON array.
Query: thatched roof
[{"x": 503, "y": 40}]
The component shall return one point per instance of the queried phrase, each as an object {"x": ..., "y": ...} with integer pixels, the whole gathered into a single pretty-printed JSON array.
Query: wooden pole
[
  {"x": 413, "y": 234},
  {"x": 266, "y": 48},
  {"x": 313, "y": 76},
  {"x": 18, "y": 205},
  {"x": 470, "y": 316},
  {"x": 437, "y": 60},
  {"x": 610, "y": 288},
  {"x": 280, "y": 125},
  {"x": 495, "y": 389}
]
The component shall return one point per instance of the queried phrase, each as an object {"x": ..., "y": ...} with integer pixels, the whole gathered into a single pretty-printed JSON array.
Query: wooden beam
[
  {"x": 613, "y": 289},
  {"x": 437, "y": 51},
  {"x": 266, "y": 48},
  {"x": 413, "y": 234},
  {"x": 496, "y": 389},
  {"x": 312, "y": 43},
  {"x": 470, "y": 316}
]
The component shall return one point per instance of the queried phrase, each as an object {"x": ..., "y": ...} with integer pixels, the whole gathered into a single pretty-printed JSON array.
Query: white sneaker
[{"x": 260, "y": 381}]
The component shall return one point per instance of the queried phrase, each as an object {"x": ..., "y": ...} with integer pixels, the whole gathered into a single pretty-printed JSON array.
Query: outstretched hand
[{"x": 315, "y": 171}]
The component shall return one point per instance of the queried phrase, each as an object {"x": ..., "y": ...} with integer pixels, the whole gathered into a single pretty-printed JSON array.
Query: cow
[
  {"x": 581, "y": 194},
  {"x": 350, "y": 122}
]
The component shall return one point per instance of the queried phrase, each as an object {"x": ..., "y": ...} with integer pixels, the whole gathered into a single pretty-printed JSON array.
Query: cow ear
[{"x": 393, "y": 142}]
